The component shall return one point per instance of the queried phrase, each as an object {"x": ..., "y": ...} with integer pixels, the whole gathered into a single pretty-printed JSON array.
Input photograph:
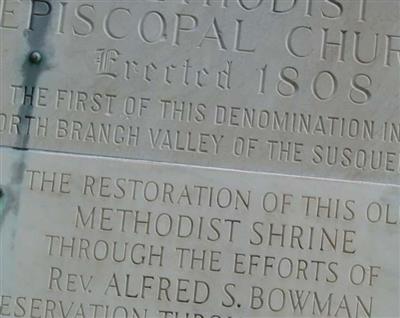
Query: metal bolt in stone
[{"x": 35, "y": 57}]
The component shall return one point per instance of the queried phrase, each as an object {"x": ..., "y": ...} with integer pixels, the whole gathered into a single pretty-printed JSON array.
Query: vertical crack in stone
[{"x": 30, "y": 74}]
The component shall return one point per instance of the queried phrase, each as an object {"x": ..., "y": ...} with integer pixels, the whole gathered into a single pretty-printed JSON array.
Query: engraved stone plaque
[{"x": 200, "y": 158}]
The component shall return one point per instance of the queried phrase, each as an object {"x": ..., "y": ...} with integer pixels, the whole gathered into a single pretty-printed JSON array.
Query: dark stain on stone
[{"x": 30, "y": 73}]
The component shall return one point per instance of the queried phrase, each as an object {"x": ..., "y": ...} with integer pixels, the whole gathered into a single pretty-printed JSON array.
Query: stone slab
[
  {"x": 199, "y": 158},
  {"x": 232, "y": 244},
  {"x": 297, "y": 87}
]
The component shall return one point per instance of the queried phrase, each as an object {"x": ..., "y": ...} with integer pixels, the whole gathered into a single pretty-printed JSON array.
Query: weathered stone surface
[
  {"x": 223, "y": 243},
  {"x": 321, "y": 78},
  {"x": 259, "y": 139}
]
